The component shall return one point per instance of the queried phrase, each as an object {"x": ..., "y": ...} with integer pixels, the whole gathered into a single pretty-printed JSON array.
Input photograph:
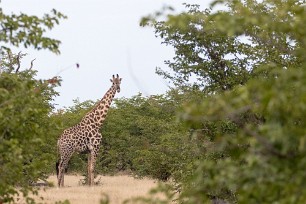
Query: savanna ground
[{"x": 118, "y": 188}]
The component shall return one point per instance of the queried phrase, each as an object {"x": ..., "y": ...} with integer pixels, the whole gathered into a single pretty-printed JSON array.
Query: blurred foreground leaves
[
  {"x": 26, "y": 147},
  {"x": 249, "y": 62}
]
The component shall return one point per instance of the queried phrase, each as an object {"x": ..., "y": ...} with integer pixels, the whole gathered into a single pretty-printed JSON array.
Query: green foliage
[
  {"x": 27, "y": 30},
  {"x": 104, "y": 199},
  {"x": 62, "y": 202},
  {"x": 27, "y": 142},
  {"x": 216, "y": 51},
  {"x": 25, "y": 145},
  {"x": 204, "y": 57},
  {"x": 268, "y": 153},
  {"x": 250, "y": 135},
  {"x": 140, "y": 135}
]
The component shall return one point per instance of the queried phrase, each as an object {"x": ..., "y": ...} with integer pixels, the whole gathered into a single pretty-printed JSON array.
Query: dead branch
[
  {"x": 32, "y": 63},
  {"x": 18, "y": 61}
]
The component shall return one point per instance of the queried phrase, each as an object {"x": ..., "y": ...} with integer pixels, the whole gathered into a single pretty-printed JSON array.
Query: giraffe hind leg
[
  {"x": 60, "y": 176},
  {"x": 60, "y": 173},
  {"x": 88, "y": 170},
  {"x": 62, "y": 166}
]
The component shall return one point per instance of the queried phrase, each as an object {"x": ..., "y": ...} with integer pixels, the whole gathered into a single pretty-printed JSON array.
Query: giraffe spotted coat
[{"x": 85, "y": 137}]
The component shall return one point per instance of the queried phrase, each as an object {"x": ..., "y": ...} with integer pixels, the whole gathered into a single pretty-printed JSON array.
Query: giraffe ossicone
[{"x": 85, "y": 136}]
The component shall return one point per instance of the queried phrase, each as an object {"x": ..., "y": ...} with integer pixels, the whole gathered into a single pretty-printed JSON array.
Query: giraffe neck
[{"x": 97, "y": 115}]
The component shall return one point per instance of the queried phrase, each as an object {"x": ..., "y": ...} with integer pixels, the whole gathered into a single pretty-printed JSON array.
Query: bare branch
[
  {"x": 18, "y": 61},
  {"x": 32, "y": 63}
]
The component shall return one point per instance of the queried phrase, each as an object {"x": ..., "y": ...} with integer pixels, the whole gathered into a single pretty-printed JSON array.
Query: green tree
[
  {"x": 26, "y": 147},
  {"x": 25, "y": 105},
  {"x": 255, "y": 130},
  {"x": 28, "y": 30},
  {"x": 214, "y": 54},
  {"x": 138, "y": 132}
]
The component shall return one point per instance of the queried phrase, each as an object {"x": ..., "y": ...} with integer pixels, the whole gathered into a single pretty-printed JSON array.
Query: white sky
[{"x": 105, "y": 38}]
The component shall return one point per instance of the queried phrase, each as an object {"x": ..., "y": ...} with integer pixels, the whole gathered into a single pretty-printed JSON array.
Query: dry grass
[{"x": 118, "y": 188}]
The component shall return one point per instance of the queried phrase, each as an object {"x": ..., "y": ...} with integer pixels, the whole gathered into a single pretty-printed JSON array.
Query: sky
[{"x": 104, "y": 38}]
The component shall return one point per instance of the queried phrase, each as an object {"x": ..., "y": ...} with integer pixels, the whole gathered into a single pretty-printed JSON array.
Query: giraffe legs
[
  {"x": 91, "y": 167},
  {"x": 62, "y": 165},
  {"x": 62, "y": 179},
  {"x": 88, "y": 170},
  {"x": 60, "y": 175}
]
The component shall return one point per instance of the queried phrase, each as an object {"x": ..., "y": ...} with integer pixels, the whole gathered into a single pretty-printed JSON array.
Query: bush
[{"x": 26, "y": 149}]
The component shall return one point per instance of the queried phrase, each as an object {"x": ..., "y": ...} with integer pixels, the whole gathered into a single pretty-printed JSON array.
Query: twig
[
  {"x": 18, "y": 61},
  {"x": 32, "y": 63}
]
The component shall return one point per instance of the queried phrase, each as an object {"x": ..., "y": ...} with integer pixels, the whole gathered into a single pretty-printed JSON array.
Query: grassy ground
[{"x": 118, "y": 188}]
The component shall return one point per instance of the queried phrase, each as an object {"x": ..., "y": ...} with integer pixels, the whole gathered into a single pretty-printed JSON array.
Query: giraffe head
[{"x": 116, "y": 82}]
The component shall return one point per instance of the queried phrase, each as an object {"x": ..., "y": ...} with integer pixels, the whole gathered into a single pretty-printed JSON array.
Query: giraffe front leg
[
  {"x": 91, "y": 168},
  {"x": 88, "y": 170},
  {"x": 62, "y": 166}
]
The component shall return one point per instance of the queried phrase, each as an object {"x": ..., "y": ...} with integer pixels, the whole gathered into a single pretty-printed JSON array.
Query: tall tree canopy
[
  {"x": 28, "y": 30},
  {"x": 215, "y": 51},
  {"x": 249, "y": 62}
]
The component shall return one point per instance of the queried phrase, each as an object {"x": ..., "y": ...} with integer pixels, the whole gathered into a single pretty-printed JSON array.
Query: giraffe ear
[
  {"x": 111, "y": 80},
  {"x": 120, "y": 79}
]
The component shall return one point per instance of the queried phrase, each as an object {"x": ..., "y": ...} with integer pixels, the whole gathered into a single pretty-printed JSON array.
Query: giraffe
[{"x": 85, "y": 136}]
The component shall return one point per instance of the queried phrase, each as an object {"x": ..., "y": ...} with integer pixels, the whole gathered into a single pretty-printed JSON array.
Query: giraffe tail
[{"x": 58, "y": 161}]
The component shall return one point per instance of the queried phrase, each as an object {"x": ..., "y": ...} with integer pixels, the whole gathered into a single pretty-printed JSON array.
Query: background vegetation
[{"x": 231, "y": 129}]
